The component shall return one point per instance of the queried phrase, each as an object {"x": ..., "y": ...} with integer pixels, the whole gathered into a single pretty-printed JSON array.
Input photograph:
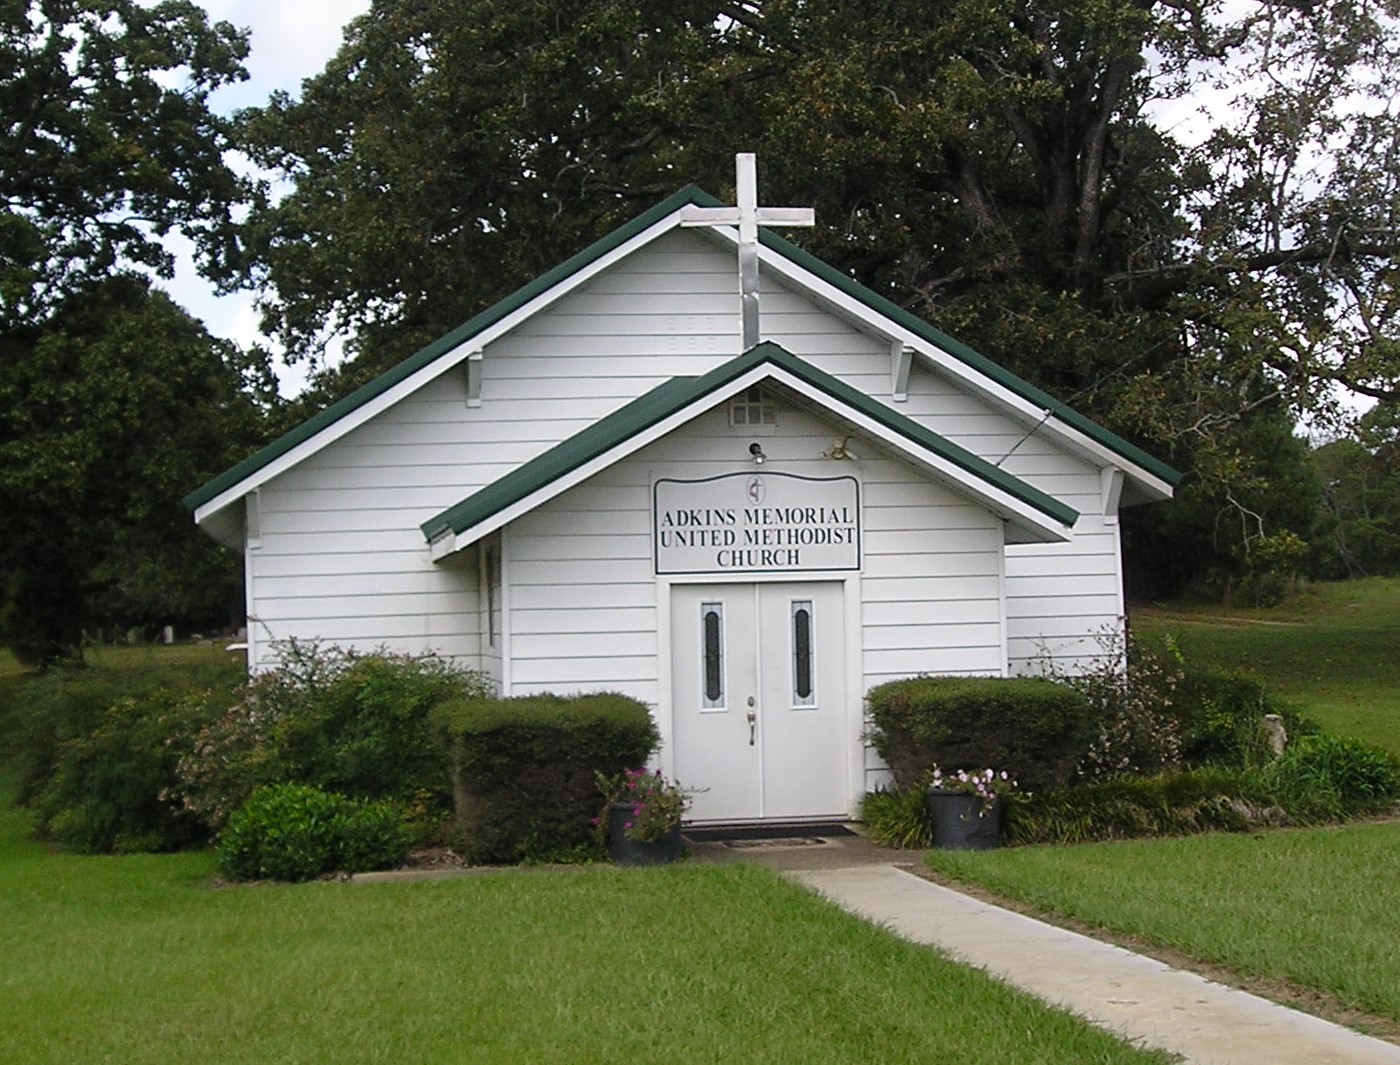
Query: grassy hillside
[{"x": 1334, "y": 651}]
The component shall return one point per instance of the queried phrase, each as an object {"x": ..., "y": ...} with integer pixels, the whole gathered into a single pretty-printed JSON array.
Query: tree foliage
[
  {"x": 113, "y": 401},
  {"x": 1357, "y": 531},
  {"x": 108, "y": 143},
  {"x": 107, "y": 416}
]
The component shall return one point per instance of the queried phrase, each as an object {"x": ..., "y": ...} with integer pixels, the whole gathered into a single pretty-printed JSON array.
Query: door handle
[{"x": 753, "y": 720}]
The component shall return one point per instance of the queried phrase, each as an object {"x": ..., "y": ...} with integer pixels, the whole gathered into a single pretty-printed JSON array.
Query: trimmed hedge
[
  {"x": 524, "y": 770},
  {"x": 297, "y": 831},
  {"x": 1035, "y": 729}
]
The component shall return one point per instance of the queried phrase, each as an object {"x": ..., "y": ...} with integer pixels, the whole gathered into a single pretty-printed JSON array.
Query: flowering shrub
[
  {"x": 1131, "y": 688},
  {"x": 347, "y": 722},
  {"x": 989, "y": 785},
  {"x": 657, "y": 806}
]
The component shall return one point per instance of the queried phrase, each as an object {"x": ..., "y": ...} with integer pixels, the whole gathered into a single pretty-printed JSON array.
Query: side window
[{"x": 491, "y": 580}]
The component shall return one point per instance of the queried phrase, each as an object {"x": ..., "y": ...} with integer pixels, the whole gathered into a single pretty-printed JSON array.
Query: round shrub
[
  {"x": 1035, "y": 729},
  {"x": 297, "y": 831}
]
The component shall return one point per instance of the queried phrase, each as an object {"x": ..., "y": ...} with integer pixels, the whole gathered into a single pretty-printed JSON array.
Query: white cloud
[{"x": 289, "y": 42}]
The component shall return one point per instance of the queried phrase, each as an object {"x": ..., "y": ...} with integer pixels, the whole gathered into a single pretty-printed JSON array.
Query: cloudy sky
[{"x": 290, "y": 41}]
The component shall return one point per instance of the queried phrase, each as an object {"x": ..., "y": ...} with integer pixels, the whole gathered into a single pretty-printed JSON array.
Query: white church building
[{"x": 625, "y": 477}]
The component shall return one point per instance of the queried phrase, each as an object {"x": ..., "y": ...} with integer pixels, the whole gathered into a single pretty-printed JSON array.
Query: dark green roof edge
[
  {"x": 691, "y": 194},
  {"x": 961, "y": 351},
  {"x": 679, "y": 392}
]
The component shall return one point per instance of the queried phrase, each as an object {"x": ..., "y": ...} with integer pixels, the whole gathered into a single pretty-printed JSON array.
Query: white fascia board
[
  {"x": 444, "y": 362},
  {"x": 984, "y": 493},
  {"x": 891, "y": 332}
]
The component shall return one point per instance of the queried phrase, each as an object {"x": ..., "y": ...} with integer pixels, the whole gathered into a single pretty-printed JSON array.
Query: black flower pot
[
  {"x": 624, "y": 851},
  {"x": 960, "y": 823}
]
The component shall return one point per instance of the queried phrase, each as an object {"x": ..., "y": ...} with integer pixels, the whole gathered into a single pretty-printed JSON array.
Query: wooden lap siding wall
[
  {"x": 583, "y": 595},
  {"x": 340, "y": 556}
]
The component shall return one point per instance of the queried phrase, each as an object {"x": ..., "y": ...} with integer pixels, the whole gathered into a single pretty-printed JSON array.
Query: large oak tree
[{"x": 1015, "y": 171}]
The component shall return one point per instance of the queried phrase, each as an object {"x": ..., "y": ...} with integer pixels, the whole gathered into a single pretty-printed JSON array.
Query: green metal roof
[
  {"x": 691, "y": 194},
  {"x": 675, "y": 395}
]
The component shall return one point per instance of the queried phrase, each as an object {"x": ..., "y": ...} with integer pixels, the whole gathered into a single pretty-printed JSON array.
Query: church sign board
[{"x": 756, "y": 522}]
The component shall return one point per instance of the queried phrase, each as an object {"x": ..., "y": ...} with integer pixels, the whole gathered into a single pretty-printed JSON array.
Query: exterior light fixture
[
  {"x": 756, "y": 452},
  {"x": 840, "y": 451}
]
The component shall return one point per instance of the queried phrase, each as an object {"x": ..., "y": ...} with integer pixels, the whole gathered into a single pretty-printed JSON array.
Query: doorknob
[{"x": 753, "y": 720}]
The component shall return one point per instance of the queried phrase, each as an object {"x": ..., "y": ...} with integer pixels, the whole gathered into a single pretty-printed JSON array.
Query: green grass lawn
[
  {"x": 208, "y": 653},
  {"x": 1333, "y": 651},
  {"x": 141, "y": 959},
  {"x": 1318, "y": 908}
]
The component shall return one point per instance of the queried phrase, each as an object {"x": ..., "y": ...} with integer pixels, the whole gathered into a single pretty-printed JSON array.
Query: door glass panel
[
  {"x": 712, "y": 655},
  {"x": 803, "y": 693}
]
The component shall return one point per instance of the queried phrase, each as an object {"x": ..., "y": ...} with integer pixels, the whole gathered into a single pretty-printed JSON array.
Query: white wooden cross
[{"x": 748, "y": 216}]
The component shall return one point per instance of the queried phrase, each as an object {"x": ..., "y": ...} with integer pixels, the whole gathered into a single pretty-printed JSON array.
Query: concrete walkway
[{"x": 1139, "y": 998}]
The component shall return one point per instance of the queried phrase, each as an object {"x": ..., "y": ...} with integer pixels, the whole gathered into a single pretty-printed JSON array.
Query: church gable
[
  {"x": 652, "y": 290},
  {"x": 1035, "y": 515},
  {"x": 695, "y": 465}
]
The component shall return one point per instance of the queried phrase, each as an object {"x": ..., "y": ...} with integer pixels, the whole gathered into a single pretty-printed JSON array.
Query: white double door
[{"x": 759, "y": 702}]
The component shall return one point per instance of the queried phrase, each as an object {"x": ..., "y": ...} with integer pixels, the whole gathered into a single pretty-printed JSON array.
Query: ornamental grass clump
[{"x": 657, "y": 804}]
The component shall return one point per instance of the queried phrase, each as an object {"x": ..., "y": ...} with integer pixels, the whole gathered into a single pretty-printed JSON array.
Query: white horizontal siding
[
  {"x": 881, "y": 666},
  {"x": 341, "y": 557},
  {"x": 611, "y": 622},
  {"x": 583, "y": 595},
  {"x": 931, "y": 578},
  {"x": 583, "y": 612},
  {"x": 340, "y": 541}
]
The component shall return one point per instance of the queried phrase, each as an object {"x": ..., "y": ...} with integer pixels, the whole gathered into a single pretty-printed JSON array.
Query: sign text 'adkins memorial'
[{"x": 756, "y": 523}]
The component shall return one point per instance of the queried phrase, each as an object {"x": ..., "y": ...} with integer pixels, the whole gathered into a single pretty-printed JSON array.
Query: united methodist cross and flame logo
[{"x": 756, "y": 490}]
